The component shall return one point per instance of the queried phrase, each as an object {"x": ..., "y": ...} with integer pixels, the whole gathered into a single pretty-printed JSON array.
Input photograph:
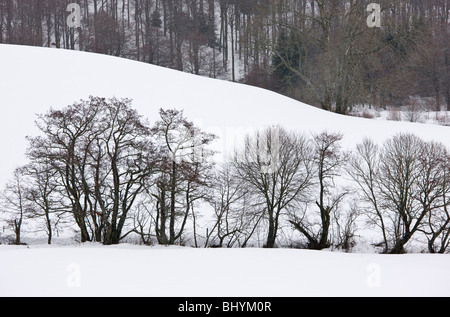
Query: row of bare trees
[
  {"x": 96, "y": 158},
  {"x": 100, "y": 168},
  {"x": 405, "y": 186},
  {"x": 320, "y": 52}
]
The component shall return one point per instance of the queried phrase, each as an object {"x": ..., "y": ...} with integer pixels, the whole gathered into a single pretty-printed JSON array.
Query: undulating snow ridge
[{"x": 32, "y": 80}]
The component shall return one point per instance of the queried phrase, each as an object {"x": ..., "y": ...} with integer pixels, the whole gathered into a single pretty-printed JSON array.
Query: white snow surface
[
  {"x": 33, "y": 80},
  {"x": 125, "y": 270}
]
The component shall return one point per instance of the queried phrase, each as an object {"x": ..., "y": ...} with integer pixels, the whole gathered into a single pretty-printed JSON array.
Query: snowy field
[
  {"x": 408, "y": 113},
  {"x": 35, "y": 79},
  {"x": 184, "y": 272}
]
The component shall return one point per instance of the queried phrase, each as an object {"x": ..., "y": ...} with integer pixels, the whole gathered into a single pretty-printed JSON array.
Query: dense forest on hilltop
[{"x": 320, "y": 52}]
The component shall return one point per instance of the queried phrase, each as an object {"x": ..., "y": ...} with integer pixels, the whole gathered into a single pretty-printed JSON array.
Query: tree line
[
  {"x": 100, "y": 168},
  {"x": 320, "y": 52}
]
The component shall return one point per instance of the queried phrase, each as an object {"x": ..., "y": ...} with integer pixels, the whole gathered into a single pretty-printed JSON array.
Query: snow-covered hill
[{"x": 34, "y": 79}]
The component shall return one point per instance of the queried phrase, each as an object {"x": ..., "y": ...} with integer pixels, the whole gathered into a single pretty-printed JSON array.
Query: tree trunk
[
  {"x": 172, "y": 203},
  {"x": 399, "y": 247},
  {"x": 447, "y": 82},
  {"x": 271, "y": 236},
  {"x": 273, "y": 228},
  {"x": 324, "y": 243},
  {"x": 17, "y": 230},
  {"x": 49, "y": 227}
]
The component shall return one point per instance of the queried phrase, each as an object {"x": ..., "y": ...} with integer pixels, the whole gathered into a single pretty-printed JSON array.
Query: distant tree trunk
[
  {"x": 436, "y": 85},
  {"x": 447, "y": 81},
  {"x": 1, "y": 21},
  {"x": 137, "y": 31},
  {"x": 9, "y": 18},
  {"x": 232, "y": 27},
  {"x": 48, "y": 223}
]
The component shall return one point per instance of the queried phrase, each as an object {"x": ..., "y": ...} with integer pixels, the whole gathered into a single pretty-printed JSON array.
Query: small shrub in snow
[{"x": 394, "y": 115}]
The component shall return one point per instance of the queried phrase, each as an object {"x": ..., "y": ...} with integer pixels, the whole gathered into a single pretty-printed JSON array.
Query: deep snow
[{"x": 126, "y": 270}]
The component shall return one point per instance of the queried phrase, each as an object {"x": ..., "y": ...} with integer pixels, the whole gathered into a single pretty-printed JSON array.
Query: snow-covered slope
[{"x": 34, "y": 79}]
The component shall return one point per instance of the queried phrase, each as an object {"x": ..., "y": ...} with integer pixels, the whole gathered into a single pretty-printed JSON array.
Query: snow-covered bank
[{"x": 92, "y": 270}]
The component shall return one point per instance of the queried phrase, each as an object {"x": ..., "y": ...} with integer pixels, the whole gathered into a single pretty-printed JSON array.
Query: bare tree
[
  {"x": 143, "y": 222},
  {"x": 364, "y": 170},
  {"x": 400, "y": 168},
  {"x": 14, "y": 203},
  {"x": 329, "y": 54},
  {"x": 102, "y": 154},
  {"x": 329, "y": 161},
  {"x": 276, "y": 169},
  {"x": 44, "y": 195},
  {"x": 234, "y": 222},
  {"x": 403, "y": 183},
  {"x": 346, "y": 226},
  {"x": 434, "y": 184},
  {"x": 64, "y": 140},
  {"x": 123, "y": 147},
  {"x": 183, "y": 166}
]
